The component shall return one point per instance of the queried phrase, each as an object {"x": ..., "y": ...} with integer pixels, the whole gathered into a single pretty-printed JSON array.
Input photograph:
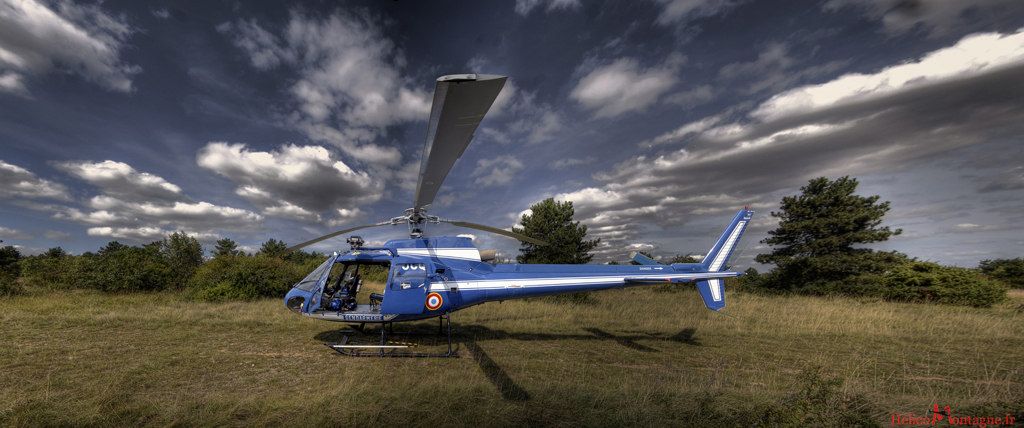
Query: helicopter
[{"x": 430, "y": 277}]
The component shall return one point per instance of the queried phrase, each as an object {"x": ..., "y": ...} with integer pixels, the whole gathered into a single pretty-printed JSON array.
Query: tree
[
  {"x": 9, "y": 257},
  {"x": 683, "y": 259},
  {"x": 272, "y": 247},
  {"x": 184, "y": 254},
  {"x": 1010, "y": 271},
  {"x": 226, "y": 248},
  {"x": 55, "y": 253},
  {"x": 112, "y": 247},
  {"x": 818, "y": 231},
  {"x": 552, "y": 222}
]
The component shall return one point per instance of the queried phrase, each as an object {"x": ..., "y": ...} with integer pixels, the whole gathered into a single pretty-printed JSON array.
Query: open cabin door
[
  {"x": 408, "y": 284},
  {"x": 314, "y": 284}
]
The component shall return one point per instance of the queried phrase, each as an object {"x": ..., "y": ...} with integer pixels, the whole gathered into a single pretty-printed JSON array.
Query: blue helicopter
[{"x": 432, "y": 277}]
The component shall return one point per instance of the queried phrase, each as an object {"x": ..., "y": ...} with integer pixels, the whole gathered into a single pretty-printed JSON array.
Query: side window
[{"x": 409, "y": 275}]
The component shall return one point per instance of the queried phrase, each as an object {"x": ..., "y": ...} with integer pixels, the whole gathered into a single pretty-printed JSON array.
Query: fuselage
[{"x": 430, "y": 276}]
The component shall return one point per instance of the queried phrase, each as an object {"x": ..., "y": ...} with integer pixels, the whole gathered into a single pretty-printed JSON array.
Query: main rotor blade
[
  {"x": 311, "y": 242},
  {"x": 460, "y": 103},
  {"x": 518, "y": 236}
]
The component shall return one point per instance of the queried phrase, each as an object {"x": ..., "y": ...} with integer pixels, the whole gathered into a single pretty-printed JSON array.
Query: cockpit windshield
[{"x": 309, "y": 283}]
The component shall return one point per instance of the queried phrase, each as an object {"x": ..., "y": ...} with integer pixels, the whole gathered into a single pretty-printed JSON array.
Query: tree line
[{"x": 818, "y": 249}]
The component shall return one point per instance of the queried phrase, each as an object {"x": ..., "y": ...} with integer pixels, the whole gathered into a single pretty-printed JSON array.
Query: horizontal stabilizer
[
  {"x": 655, "y": 279},
  {"x": 644, "y": 260}
]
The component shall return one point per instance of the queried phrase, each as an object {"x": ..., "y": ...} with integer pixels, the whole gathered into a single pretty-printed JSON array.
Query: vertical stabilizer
[{"x": 712, "y": 291}]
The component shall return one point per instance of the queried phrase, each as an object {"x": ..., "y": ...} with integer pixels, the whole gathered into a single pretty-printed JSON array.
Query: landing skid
[{"x": 388, "y": 348}]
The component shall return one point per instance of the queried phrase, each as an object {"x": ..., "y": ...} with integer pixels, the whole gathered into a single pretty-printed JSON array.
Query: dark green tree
[
  {"x": 1010, "y": 271},
  {"x": 9, "y": 257},
  {"x": 55, "y": 253},
  {"x": 184, "y": 254},
  {"x": 112, "y": 247},
  {"x": 684, "y": 259},
  {"x": 819, "y": 234},
  {"x": 226, "y": 248},
  {"x": 552, "y": 222},
  {"x": 272, "y": 247}
]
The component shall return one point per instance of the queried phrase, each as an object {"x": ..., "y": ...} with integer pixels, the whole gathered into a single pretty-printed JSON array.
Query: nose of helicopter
[{"x": 296, "y": 300}]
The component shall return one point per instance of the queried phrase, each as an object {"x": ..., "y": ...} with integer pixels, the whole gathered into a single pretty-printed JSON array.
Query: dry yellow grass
[{"x": 631, "y": 357}]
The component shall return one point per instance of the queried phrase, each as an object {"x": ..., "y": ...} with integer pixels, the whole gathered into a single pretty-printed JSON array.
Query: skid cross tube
[{"x": 387, "y": 349}]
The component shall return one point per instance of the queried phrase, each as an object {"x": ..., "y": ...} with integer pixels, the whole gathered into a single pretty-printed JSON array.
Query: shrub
[
  {"x": 244, "y": 278},
  {"x": 924, "y": 281},
  {"x": 48, "y": 272},
  {"x": 9, "y": 285},
  {"x": 127, "y": 269},
  {"x": 820, "y": 404},
  {"x": 1008, "y": 271}
]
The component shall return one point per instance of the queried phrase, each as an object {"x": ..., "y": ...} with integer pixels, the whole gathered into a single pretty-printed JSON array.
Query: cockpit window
[{"x": 309, "y": 283}]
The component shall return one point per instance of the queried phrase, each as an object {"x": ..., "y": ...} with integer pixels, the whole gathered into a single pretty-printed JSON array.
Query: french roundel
[{"x": 434, "y": 301}]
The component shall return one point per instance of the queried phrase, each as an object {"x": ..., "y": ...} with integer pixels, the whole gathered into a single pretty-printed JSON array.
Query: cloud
[
  {"x": 14, "y": 83},
  {"x": 8, "y": 234},
  {"x": 976, "y": 228},
  {"x": 694, "y": 97},
  {"x": 934, "y": 18},
  {"x": 520, "y": 118},
  {"x": 496, "y": 172},
  {"x": 145, "y": 234},
  {"x": 565, "y": 163},
  {"x": 1008, "y": 180},
  {"x": 772, "y": 70},
  {"x": 684, "y": 11},
  {"x": 681, "y": 133},
  {"x": 346, "y": 217},
  {"x": 523, "y": 7},
  {"x": 161, "y": 13},
  {"x": 307, "y": 180},
  {"x": 79, "y": 39},
  {"x": 622, "y": 86},
  {"x": 57, "y": 235},
  {"x": 119, "y": 180},
  {"x": 129, "y": 199},
  {"x": 973, "y": 56},
  {"x": 179, "y": 215},
  {"x": 18, "y": 182},
  {"x": 350, "y": 87}
]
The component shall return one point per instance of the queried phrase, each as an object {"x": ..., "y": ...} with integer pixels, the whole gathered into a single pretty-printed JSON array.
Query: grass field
[{"x": 633, "y": 357}]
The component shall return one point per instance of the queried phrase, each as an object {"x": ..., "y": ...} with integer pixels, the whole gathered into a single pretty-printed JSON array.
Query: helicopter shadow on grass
[
  {"x": 470, "y": 335},
  {"x": 507, "y": 387},
  {"x": 629, "y": 340}
]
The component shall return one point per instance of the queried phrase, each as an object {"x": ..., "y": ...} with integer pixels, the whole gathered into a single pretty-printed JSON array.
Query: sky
[{"x": 658, "y": 119}]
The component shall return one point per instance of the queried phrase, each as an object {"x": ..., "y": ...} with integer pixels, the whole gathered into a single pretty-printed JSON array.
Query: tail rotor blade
[{"x": 514, "y": 235}]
